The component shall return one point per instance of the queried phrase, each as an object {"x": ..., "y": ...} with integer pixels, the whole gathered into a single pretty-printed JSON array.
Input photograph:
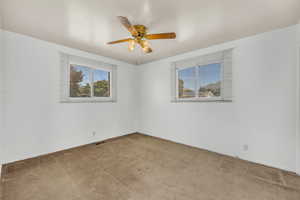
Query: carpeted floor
[{"x": 138, "y": 167}]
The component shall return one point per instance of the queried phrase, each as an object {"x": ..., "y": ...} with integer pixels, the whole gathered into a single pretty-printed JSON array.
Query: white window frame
[
  {"x": 197, "y": 98},
  {"x": 224, "y": 58},
  {"x": 68, "y": 60}
]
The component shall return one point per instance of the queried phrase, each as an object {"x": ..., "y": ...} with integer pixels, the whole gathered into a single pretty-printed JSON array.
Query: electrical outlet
[
  {"x": 245, "y": 147},
  {"x": 94, "y": 133}
]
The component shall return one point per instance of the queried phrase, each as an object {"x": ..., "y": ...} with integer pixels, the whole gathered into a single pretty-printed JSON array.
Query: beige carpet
[{"x": 138, "y": 167}]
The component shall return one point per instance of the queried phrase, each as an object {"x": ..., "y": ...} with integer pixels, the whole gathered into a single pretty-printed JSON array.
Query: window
[
  {"x": 86, "y": 80},
  {"x": 205, "y": 78},
  {"x": 201, "y": 81},
  {"x": 101, "y": 84},
  {"x": 80, "y": 85}
]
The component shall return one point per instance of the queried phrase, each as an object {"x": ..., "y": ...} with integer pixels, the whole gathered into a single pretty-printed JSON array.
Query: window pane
[
  {"x": 187, "y": 73},
  {"x": 79, "y": 81},
  {"x": 101, "y": 83},
  {"x": 187, "y": 83},
  {"x": 209, "y": 80}
]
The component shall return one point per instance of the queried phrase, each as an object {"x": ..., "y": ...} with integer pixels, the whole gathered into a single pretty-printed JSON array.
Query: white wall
[
  {"x": 36, "y": 123},
  {"x": 262, "y": 115},
  {"x": 298, "y": 99},
  {"x": 1, "y": 91}
]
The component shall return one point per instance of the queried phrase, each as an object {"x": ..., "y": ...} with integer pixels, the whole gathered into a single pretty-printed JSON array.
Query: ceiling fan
[{"x": 140, "y": 36}]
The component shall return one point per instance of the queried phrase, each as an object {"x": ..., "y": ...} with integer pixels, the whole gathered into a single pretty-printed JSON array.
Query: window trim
[
  {"x": 224, "y": 56},
  {"x": 68, "y": 60},
  {"x": 91, "y": 82},
  {"x": 197, "y": 98}
]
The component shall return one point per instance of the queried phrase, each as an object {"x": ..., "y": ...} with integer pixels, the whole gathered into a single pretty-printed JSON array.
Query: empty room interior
[{"x": 150, "y": 100}]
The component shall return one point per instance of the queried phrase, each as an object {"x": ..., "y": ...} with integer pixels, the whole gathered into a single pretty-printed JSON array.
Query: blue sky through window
[
  {"x": 85, "y": 71},
  {"x": 188, "y": 77},
  {"x": 187, "y": 73},
  {"x": 100, "y": 75},
  {"x": 207, "y": 74}
]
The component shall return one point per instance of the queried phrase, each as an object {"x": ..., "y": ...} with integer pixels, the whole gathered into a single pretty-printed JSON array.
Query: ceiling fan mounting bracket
[{"x": 141, "y": 30}]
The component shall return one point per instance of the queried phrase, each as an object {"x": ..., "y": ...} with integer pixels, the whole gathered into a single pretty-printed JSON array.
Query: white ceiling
[{"x": 89, "y": 24}]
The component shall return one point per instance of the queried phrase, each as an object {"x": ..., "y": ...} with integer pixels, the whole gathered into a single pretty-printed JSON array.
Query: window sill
[
  {"x": 89, "y": 101},
  {"x": 201, "y": 100}
]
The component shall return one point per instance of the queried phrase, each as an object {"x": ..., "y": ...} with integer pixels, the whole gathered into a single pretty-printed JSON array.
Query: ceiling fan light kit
[
  {"x": 140, "y": 36},
  {"x": 131, "y": 45}
]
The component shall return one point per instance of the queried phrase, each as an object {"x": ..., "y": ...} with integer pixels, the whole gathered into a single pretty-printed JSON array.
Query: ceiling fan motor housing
[{"x": 141, "y": 29}]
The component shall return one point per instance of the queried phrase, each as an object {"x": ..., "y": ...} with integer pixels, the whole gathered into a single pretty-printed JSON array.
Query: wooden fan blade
[
  {"x": 125, "y": 22},
  {"x": 160, "y": 36},
  {"x": 120, "y": 41}
]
